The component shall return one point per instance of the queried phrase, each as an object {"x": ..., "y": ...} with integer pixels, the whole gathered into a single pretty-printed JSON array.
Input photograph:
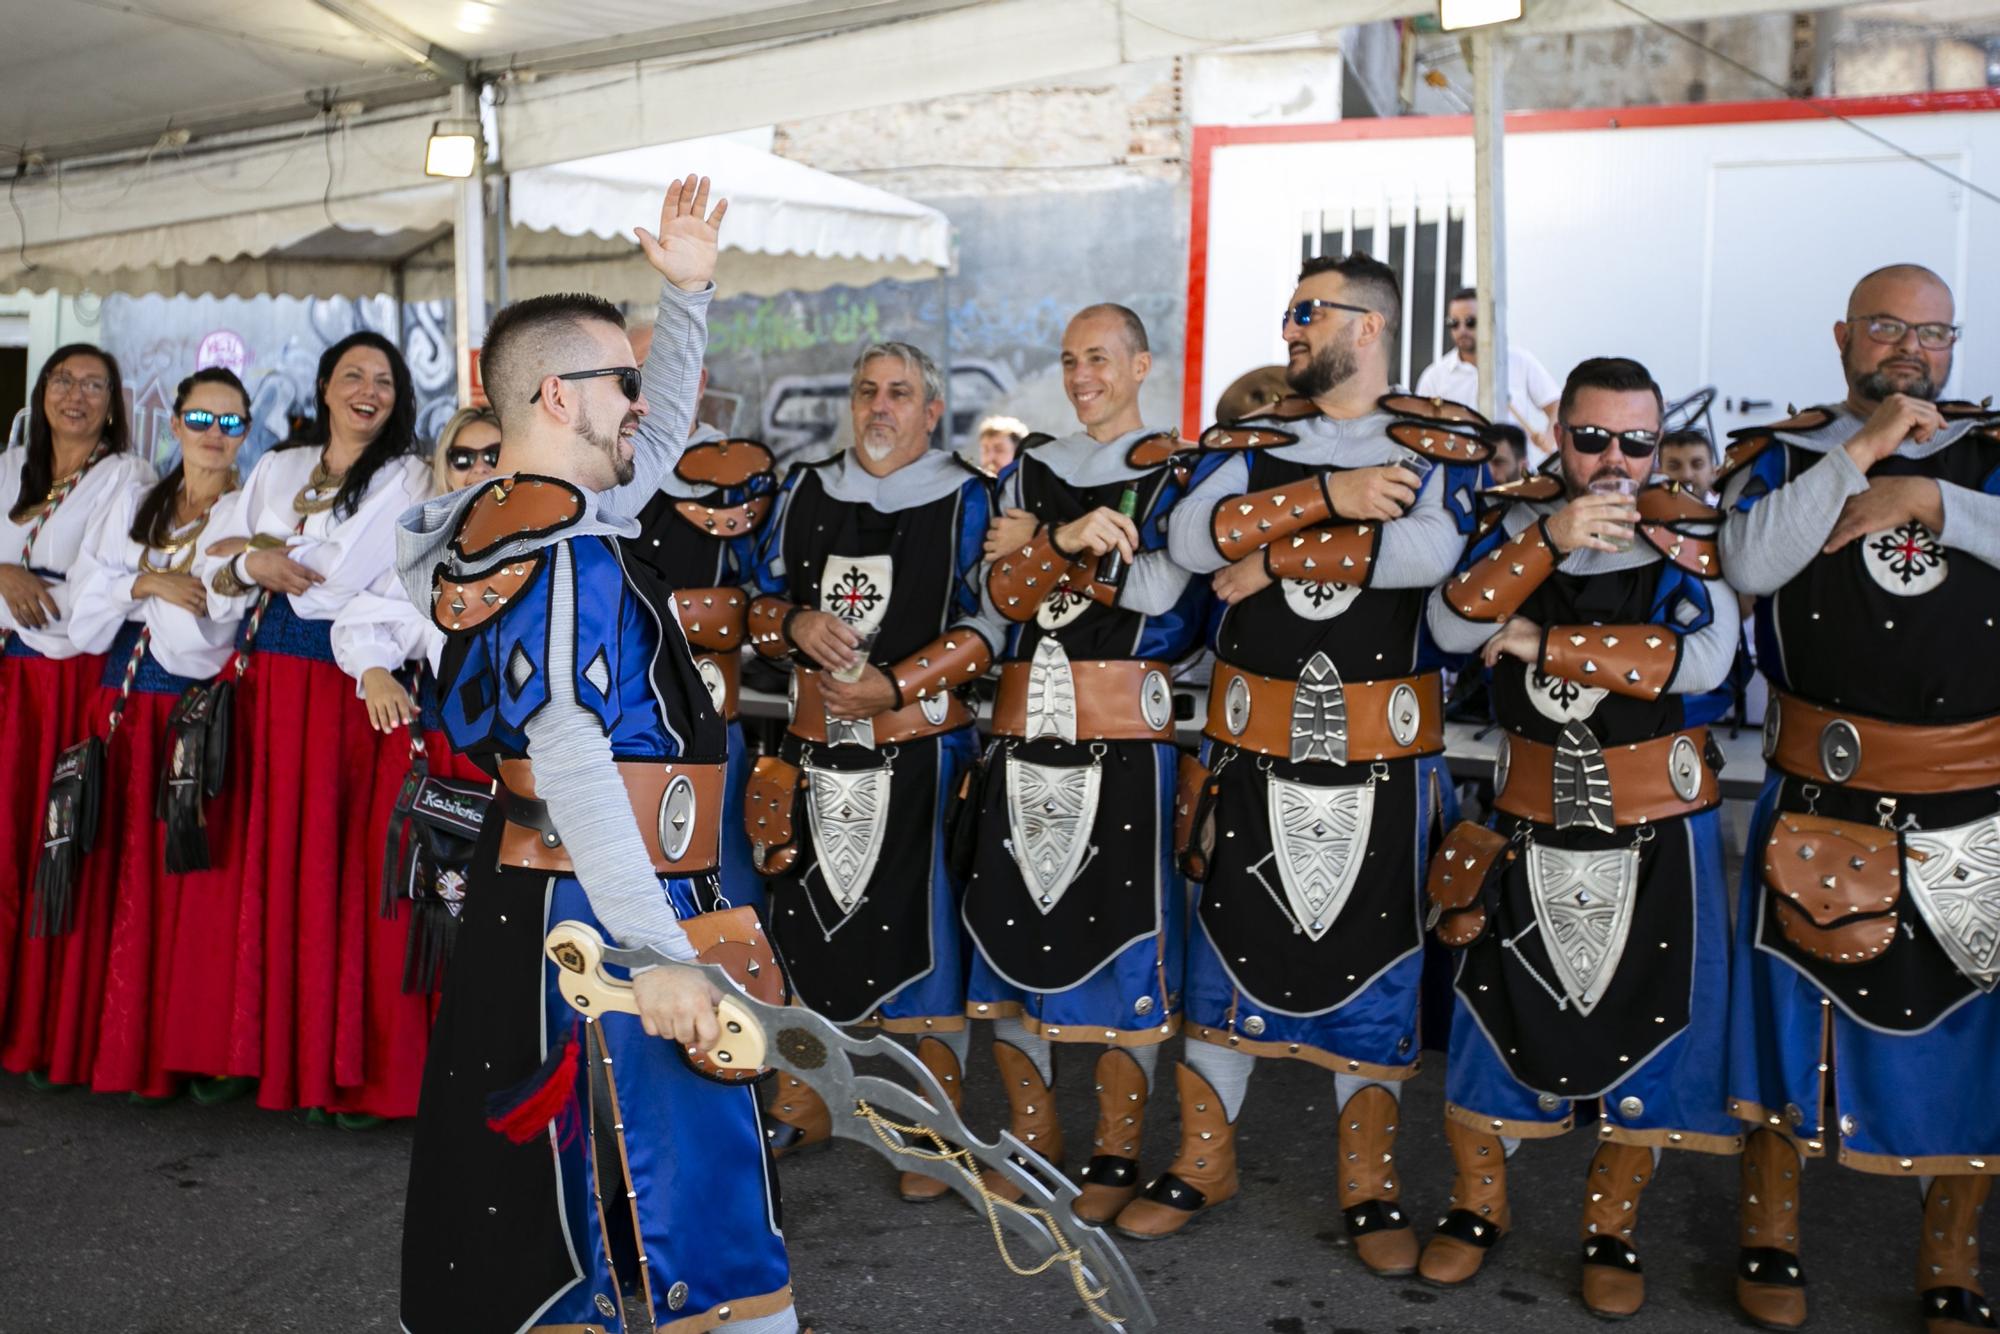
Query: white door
[{"x": 1787, "y": 242}]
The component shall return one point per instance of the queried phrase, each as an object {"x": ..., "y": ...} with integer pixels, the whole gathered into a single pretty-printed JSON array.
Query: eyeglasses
[
  {"x": 628, "y": 380},
  {"x": 1302, "y": 313},
  {"x": 1595, "y": 440},
  {"x": 1469, "y": 322},
  {"x": 62, "y": 382},
  {"x": 1889, "y": 329},
  {"x": 233, "y": 424},
  {"x": 461, "y": 458}
]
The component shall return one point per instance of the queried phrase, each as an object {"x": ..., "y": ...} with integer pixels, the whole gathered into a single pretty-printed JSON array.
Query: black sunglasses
[
  {"x": 1469, "y": 322},
  {"x": 1595, "y": 440},
  {"x": 628, "y": 380},
  {"x": 1302, "y": 313},
  {"x": 198, "y": 420},
  {"x": 461, "y": 458}
]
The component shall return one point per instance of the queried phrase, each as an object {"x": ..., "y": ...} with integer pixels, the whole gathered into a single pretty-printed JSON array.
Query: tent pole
[
  {"x": 500, "y": 240},
  {"x": 1489, "y": 107},
  {"x": 468, "y": 251},
  {"x": 944, "y": 351}
]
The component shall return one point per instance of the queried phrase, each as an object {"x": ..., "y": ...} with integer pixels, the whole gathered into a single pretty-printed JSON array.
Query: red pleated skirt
[{"x": 46, "y": 705}]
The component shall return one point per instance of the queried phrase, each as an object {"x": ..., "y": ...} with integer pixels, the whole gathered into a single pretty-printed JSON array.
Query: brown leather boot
[
  {"x": 1614, "y": 1286},
  {"x": 1770, "y": 1282},
  {"x": 796, "y": 1120},
  {"x": 1953, "y": 1300},
  {"x": 1478, "y": 1215},
  {"x": 1111, "y": 1181},
  {"x": 1370, "y": 1196},
  {"x": 1203, "y": 1173},
  {"x": 939, "y": 1060},
  {"x": 1031, "y": 1113}
]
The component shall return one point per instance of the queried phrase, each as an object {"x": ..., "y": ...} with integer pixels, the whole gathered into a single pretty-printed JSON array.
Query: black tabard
[{"x": 1098, "y": 631}]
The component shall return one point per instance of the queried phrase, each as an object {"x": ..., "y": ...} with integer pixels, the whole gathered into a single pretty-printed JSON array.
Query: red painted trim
[{"x": 1208, "y": 138}]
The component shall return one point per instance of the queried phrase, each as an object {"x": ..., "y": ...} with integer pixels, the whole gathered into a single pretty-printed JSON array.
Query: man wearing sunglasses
[
  {"x": 1869, "y": 529},
  {"x": 1322, "y": 527},
  {"x": 1592, "y": 916},
  {"x": 565, "y": 674},
  {"x": 1531, "y": 390}
]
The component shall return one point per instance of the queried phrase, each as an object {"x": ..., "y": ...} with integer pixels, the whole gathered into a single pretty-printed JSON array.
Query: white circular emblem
[
  {"x": 1156, "y": 702},
  {"x": 935, "y": 707},
  {"x": 677, "y": 817},
  {"x": 1560, "y": 699},
  {"x": 1405, "y": 715},
  {"x": 1501, "y": 757},
  {"x": 1236, "y": 706},
  {"x": 1908, "y": 560},
  {"x": 1684, "y": 769},
  {"x": 1061, "y": 607},
  {"x": 1318, "y": 602},
  {"x": 718, "y": 689}
]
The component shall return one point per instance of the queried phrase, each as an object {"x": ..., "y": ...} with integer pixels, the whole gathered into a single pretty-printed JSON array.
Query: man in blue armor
[{"x": 624, "y": 1176}]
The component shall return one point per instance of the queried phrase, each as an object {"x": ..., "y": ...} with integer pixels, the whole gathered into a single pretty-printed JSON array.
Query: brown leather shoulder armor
[
  {"x": 728, "y": 521},
  {"x": 1155, "y": 450},
  {"x": 1244, "y": 435},
  {"x": 1670, "y": 502},
  {"x": 1539, "y": 487},
  {"x": 729, "y": 462},
  {"x": 1953, "y": 409},
  {"x": 1440, "y": 443},
  {"x": 515, "y": 509},
  {"x": 466, "y": 602},
  {"x": 1433, "y": 410}
]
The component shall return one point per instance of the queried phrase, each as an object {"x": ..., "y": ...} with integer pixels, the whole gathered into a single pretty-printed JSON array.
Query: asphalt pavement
[{"x": 115, "y": 1218}]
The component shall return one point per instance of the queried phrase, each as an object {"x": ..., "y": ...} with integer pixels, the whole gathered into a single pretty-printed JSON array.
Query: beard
[
  {"x": 622, "y": 468},
  {"x": 877, "y": 446},
  {"x": 1878, "y": 384},
  {"x": 1332, "y": 366}
]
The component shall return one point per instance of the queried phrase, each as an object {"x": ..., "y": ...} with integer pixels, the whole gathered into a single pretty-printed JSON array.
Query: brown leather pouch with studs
[
  {"x": 1468, "y": 858},
  {"x": 770, "y": 801},
  {"x": 1836, "y": 884}
]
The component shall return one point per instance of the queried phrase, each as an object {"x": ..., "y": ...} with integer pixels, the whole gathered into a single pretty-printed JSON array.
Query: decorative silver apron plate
[
  {"x": 1051, "y": 693},
  {"x": 1050, "y": 810},
  {"x": 1320, "y": 835},
  {"x": 1583, "y": 905},
  {"x": 1581, "y": 781},
  {"x": 1319, "y": 713},
  {"x": 848, "y": 810},
  {"x": 1957, "y": 889}
]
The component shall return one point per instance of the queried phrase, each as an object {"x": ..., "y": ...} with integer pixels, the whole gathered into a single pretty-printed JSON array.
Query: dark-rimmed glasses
[
  {"x": 628, "y": 380},
  {"x": 1302, "y": 313},
  {"x": 1889, "y": 329},
  {"x": 1595, "y": 440},
  {"x": 233, "y": 424}
]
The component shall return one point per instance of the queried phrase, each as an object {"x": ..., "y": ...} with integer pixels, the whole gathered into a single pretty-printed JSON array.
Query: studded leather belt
[
  {"x": 722, "y": 673},
  {"x": 678, "y": 806},
  {"x": 1642, "y": 782},
  {"x": 925, "y": 718},
  {"x": 1116, "y": 699},
  {"x": 1823, "y": 746},
  {"x": 1390, "y": 719}
]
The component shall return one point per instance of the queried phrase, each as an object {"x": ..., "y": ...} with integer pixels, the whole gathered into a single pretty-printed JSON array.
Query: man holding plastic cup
[
  {"x": 866, "y": 580},
  {"x": 1591, "y": 918}
]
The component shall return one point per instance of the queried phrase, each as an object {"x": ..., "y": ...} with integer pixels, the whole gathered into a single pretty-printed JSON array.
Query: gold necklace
[
  {"x": 178, "y": 553},
  {"x": 320, "y": 491}
]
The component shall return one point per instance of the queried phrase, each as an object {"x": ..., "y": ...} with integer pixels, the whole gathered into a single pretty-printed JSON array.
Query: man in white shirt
[{"x": 1531, "y": 391}]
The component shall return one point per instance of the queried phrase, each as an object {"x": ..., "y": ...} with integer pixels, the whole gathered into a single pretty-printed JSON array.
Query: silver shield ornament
[
  {"x": 1051, "y": 693},
  {"x": 1050, "y": 812},
  {"x": 1320, "y": 836},
  {"x": 1319, "y": 714},
  {"x": 847, "y": 810},
  {"x": 1581, "y": 781},
  {"x": 1954, "y": 875},
  {"x": 1583, "y": 906}
]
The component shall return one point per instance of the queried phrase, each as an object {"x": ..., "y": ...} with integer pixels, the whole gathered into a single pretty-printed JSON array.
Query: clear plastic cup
[
  {"x": 852, "y": 674},
  {"x": 1617, "y": 534}
]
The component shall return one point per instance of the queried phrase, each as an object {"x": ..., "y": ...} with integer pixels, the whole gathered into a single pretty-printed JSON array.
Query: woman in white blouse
[
  {"x": 317, "y": 1013},
  {"x": 137, "y": 602},
  {"x": 75, "y": 460}
]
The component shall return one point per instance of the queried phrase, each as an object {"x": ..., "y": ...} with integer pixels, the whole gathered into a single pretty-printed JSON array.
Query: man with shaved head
[
  {"x": 1077, "y": 919},
  {"x": 1869, "y": 930}
]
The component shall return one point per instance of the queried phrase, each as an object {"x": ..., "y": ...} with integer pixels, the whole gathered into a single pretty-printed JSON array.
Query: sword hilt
[{"x": 578, "y": 950}]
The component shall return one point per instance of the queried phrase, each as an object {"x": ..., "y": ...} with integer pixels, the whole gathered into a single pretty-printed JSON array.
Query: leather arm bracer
[
  {"x": 1021, "y": 580},
  {"x": 1635, "y": 660},
  {"x": 711, "y": 618},
  {"x": 1496, "y": 586},
  {"x": 1242, "y": 524},
  {"x": 956, "y": 658},
  {"x": 768, "y": 617},
  {"x": 1326, "y": 554}
]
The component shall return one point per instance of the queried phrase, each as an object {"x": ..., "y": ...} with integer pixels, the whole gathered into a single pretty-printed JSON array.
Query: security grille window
[{"x": 1427, "y": 241}]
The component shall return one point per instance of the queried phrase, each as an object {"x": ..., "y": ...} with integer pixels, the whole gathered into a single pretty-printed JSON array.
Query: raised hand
[{"x": 683, "y": 250}]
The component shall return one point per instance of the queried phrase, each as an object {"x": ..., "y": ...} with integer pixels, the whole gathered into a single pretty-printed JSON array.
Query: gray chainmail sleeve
[
  {"x": 578, "y": 779},
  {"x": 1971, "y": 521},
  {"x": 1190, "y": 535},
  {"x": 1421, "y": 549},
  {"x": 1765, "y": 547}
]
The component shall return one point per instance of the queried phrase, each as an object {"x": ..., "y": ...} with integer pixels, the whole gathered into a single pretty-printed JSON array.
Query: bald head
[
  {"x": 1897, "y": 337},
  {"x": 1893, "y": 282}
]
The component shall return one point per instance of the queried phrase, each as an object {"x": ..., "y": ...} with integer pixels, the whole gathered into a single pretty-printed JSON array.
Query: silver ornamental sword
[{"x": 893, "y": 1119}]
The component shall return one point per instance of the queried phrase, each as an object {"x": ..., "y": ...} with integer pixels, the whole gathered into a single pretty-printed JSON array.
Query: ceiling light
[
  {"x": 1456, "y": 14},
  {"x": 453, "y": 149}
]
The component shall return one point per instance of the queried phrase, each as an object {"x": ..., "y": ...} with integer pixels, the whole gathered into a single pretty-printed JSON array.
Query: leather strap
[
  {"x": 1640, "y": 774},
  {"x": 891, "y": 728},
  {"x": 530, "y": 840},
  {"x": 1109, "y": 692},
  {"x": 1268, "y": 728},
  {"x": 1823, "y": 746},
  {"x": 731, "y": 666}
]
